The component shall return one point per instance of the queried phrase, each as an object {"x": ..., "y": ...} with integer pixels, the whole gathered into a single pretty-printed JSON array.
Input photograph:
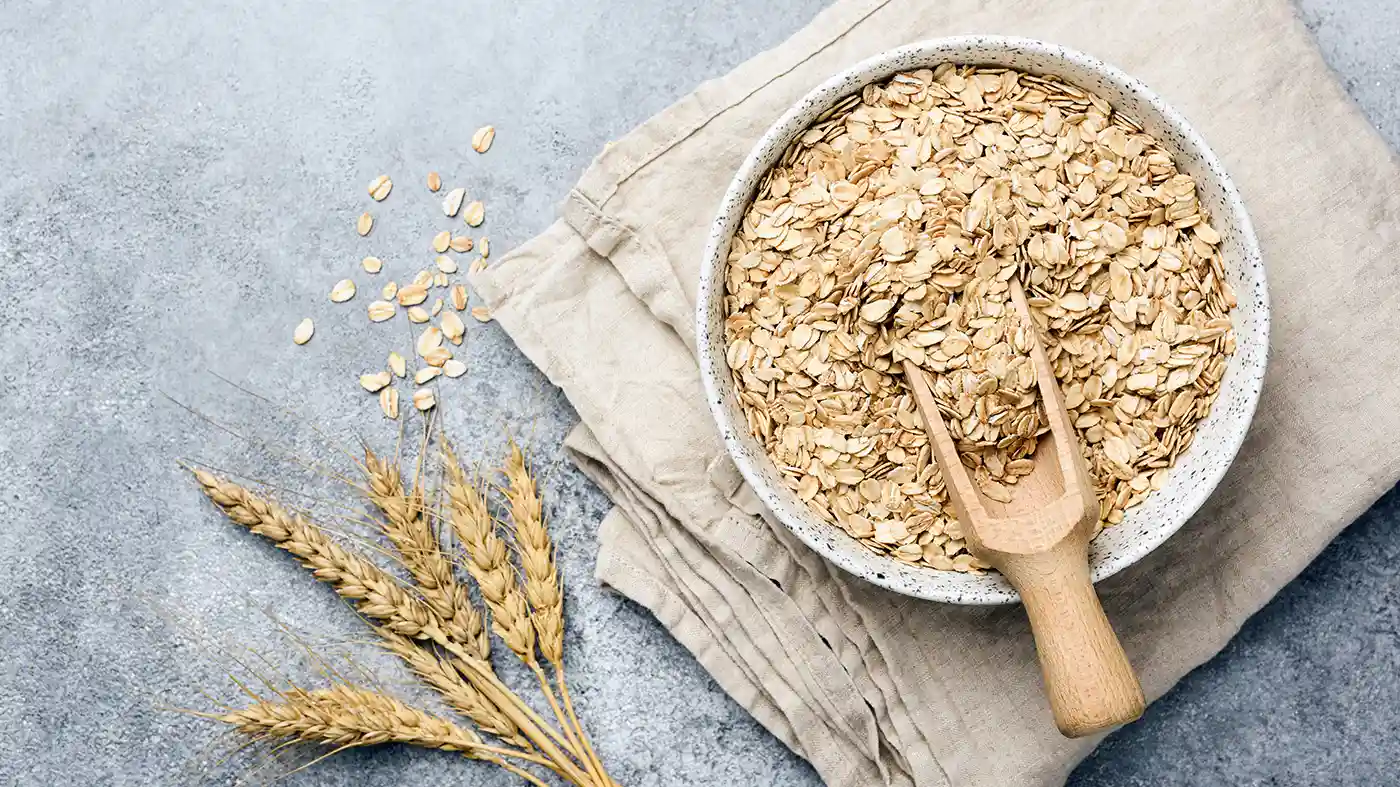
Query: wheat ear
[
  {"x": 542, "y": 590},
  {"x": 376, "y": 594},
  {"x": 439, "y": 673},
  {"x": 408, "y": 528},
  {"x": 379, "y": 596},
  {"x": 536, "y": 556},
  {"x": 488, "y": 561},
  {"x": 348, "y": 717}
]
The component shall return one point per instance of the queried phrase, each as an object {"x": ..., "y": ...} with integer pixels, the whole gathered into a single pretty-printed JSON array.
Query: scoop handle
[{"x": 1090, "y": 684}]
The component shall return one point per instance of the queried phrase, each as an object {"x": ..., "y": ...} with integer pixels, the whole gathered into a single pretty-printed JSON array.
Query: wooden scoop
[{"x": 1040, "y": 542}]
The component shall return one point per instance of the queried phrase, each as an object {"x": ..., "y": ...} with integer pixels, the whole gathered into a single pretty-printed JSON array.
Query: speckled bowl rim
[{"x": 908, "y": 580}]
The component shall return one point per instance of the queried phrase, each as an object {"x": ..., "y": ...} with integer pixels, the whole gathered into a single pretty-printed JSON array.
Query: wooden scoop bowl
[{"x": 1040, "y": 542}]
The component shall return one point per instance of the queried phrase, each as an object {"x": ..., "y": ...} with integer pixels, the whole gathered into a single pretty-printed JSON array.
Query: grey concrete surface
[{"x": 177, "y": 187}]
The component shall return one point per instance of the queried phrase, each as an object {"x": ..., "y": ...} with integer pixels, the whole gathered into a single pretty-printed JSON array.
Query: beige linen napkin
[{"x": 876, "y": 688}]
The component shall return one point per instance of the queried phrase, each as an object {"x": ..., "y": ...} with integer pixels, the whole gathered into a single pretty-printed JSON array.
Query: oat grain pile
[{"x": 889, "y": 230}]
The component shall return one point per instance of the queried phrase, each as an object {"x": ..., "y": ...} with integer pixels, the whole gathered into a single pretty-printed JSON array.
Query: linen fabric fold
[{"x": 876, "y": 688}]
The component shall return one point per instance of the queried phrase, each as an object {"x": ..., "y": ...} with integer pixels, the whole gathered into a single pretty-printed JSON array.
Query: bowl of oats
[{"x": 880, "y": 220}]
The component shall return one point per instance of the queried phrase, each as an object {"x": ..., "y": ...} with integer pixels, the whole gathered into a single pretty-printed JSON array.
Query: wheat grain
[
  {"x": 407, "y": 526},
  {"x": 489, "y": 562},
  {"x": 536, "y": 556}
]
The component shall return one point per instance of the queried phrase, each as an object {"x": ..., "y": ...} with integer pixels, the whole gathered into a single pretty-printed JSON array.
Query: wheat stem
[
  {"x": 531, "y": 725},
  {"x": 563, "y": 721},
  {"x": 524, "y": 774},
  {"x": 569, "y": 708}
]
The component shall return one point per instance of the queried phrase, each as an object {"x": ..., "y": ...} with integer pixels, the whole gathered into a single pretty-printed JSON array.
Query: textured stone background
[{"x": 177, "y": 189}]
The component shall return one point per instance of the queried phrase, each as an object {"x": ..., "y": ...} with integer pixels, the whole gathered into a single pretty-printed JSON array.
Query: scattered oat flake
[
  {"x": 413, "y": 294},
  {"x": 461, "y": 244},
  {"x": 305, "y": 328},
  {"x": 453, "y": 202},
  {"x": 389, "y": 402},
  {"x": 434, "y": 181},
  {"x": 397, "y": 365},
  {"x": 478, "y": 265},
  {"x": 438, "y": 356},
  {"x": 441, "y": 241},
  {"x": 437, "y": 307},
  {"x": 364, "y": 224},
  {"x": 459, "y": 297},
  {"x": 426, "y": 374},
  {"x": 452, "y": 327},
  {"x": 429, "y": 339},
  {"x": 440, "y": 279},
  {"x": 474, "y": 214},
  {"x": 343, "y": 291},
  {"x": 481, "y": 313},
  {"x": 373, "y": 382},
  {"x": 482, "y": 139},
  {"x": 418, "y": 314},
  {"x": 379, "y": 311},
  {"x": 446, "y": 264},
  {"x": 389, "y": 291},
  {"x": 372, "y": 264},
  {"x": 380, "y": 187},
  {"x": 484, "y": 247},
  {"x": 424, "y": 400},
  {"x": 454, "y": 368}
]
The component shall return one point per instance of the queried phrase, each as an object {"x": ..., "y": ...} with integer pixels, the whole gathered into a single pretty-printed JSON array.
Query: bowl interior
[{"x": 1218, "y": 437}]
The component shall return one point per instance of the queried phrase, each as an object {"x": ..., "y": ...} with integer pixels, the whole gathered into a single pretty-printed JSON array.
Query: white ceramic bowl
[{"x": 1218, "y": 437}]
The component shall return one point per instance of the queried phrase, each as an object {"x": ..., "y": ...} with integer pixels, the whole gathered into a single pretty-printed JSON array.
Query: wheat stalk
[
  {"x": 542, "y": 589},
  {"x": 488, "y": 561},
  {"x": 345, "y": 716},
  {"x": 407, "y": 526},
  {"x": 379, "y": 596}
]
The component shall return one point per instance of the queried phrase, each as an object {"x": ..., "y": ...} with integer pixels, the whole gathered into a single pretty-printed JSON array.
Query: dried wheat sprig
[
  {"x": 541, "y": 580},
  {"x": 542, "y": 590},
  {"x": 439, "y": 673},
  {"x": 376, "y": 594},
  {"x": 488, "y": 561},
  {"x": 408, "y": 528},
  {"x": 536, "y": 555},
  {"x": 379, "y": 596},
  {"x": 345, "y": 717}
]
